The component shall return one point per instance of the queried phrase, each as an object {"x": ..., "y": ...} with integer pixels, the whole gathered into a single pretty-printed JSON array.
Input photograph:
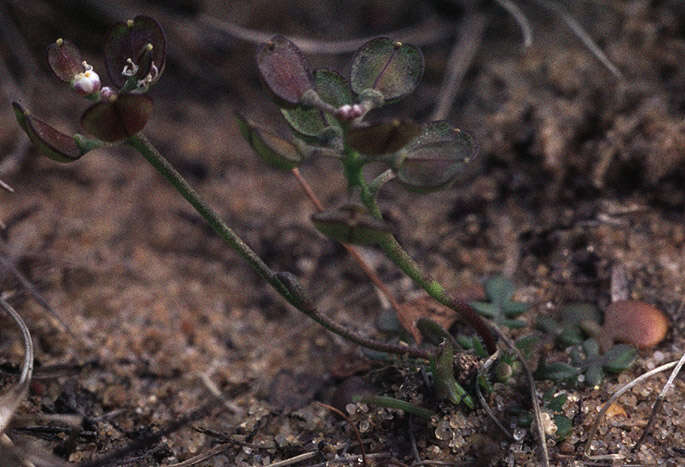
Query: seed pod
[
  {"x": 284, "y": 71},
  {"x": 276, "y": 151},
  {"x": 140, "y": 40},
  {"x": 65, "y": 59},
  {"x": 51, "y": 143},
  {"x": 436, "y": 158},
  {"x": 118, "y": 118},
  {"x": 382, "y": 138},
  {"x": 392, "y": 68},
  {"x": 351, "y": 223}
]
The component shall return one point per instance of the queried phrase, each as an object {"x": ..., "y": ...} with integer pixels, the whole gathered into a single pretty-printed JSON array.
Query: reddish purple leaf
[
  {"x": 118, "y": 119},
  {"x": 65, "y": 59},
  {"x": 131, "y": 40},
  {"x": 284, "y": 70},
  {"x": 51, "y": 142}
]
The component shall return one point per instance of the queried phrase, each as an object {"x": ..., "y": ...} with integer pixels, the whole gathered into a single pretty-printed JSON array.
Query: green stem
[
  {"x": 398, "y": 255},
  {"x": 283, "y": 283},
  {"x": 392, "y": 403}
]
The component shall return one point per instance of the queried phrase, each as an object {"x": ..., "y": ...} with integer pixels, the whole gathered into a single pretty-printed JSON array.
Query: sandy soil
[{"x": 578, "y": 172}]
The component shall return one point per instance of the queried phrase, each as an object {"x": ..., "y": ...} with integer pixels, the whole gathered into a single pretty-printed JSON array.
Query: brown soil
[{"x": 579, "y": 172}]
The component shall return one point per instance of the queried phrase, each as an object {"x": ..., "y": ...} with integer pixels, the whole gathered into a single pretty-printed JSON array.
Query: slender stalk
[
  {"x": 398, "y": 255},
  {"x": 368, "y": 270},
  {"x": 288, "y": 290}
]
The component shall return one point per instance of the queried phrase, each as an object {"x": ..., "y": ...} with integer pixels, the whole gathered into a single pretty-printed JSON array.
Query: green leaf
[
  {"x": 51, "y": 142},
  {"x": 501, "y": 308},
  {"x": 557, "y": 371},
  {"x": 446, "y": 387},
  {"x": 276, "y": 151},
  {"x": 499, "y": 289},
  {"x": 390, "y": 67},
  {"x": 591, "y": 348},
  {"x": 489, "y": 310},
  {"x": 436, "y": 158},
  {"x": 388, "y": 323},
  {"x": 351, "y": 223},
  {"x": 432, "y": 331},
  {"x": 513, "y": 323},
  {"x": 334, "y": 90},
  {"x": 478, "y": 348},
  {"x": 594, "y": 375},
  {"x": 575, "y": 313},
  {"x": 556, "y": 404},
  {"x": 570, "y": 335},
  {"x": 514, "y": 309},
  {"x": 283, "y": 69},
  {"x": 619, "y": 358},
  {"x": 527, "y": 344},
  {"x": 548, "y": 325},
  {"x": 564, "y": 426}
]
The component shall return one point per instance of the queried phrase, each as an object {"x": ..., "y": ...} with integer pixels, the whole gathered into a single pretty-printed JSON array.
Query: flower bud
[{"x": 87, "y": 82}]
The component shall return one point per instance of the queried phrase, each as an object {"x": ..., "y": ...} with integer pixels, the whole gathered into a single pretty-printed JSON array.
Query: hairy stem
[
  {"x": 398, "y": 255},
  {"x": 287, "y": 290}
]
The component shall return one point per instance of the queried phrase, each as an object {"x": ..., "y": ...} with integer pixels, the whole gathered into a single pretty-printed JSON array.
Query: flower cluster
[{"x": 135, "y": 52}]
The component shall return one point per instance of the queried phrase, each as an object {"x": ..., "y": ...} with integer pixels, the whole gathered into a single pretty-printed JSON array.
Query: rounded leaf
[
  {"x": 350, "y": 223},
  {"x": 436, "y": 158},
  {"x": 65, "y": 59},
  {"x": 393, "y": 68},
  {"x": 142, "y": 40},
  {"x": 382, "y": 138},
  {"x": 119, "y": 118},
  {"x": 50, "y": 141},
  {"x": 284, "y": 70},
  {"x": 619, "y": 358}
]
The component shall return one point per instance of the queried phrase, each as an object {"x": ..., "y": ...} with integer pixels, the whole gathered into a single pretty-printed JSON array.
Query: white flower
[{"x": 87, "y": 82}]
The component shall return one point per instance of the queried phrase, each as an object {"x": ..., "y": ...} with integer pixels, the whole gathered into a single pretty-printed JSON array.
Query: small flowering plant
[
  {"x": 135, "y": 53},
  {"x": 326, "y": 114}
]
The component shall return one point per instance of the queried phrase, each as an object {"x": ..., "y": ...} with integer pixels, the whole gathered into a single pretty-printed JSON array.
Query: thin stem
[
  {"x": 378, "y": 182},
  {"x": 163, "y": 166},
  {"x": 289, "y": 290},
  {"x": 398, "y": 255},
  {"x": 368, "y": 270}
]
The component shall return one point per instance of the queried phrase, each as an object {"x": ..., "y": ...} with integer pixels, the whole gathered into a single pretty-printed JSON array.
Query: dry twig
[
  {"x": 612, "y": 399},
  {"x": 425, "y": 33},
  {"x": 660, "y": 402},
  {"x": 461, "y": 56},
  {"x": 481, "y": 371}
]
